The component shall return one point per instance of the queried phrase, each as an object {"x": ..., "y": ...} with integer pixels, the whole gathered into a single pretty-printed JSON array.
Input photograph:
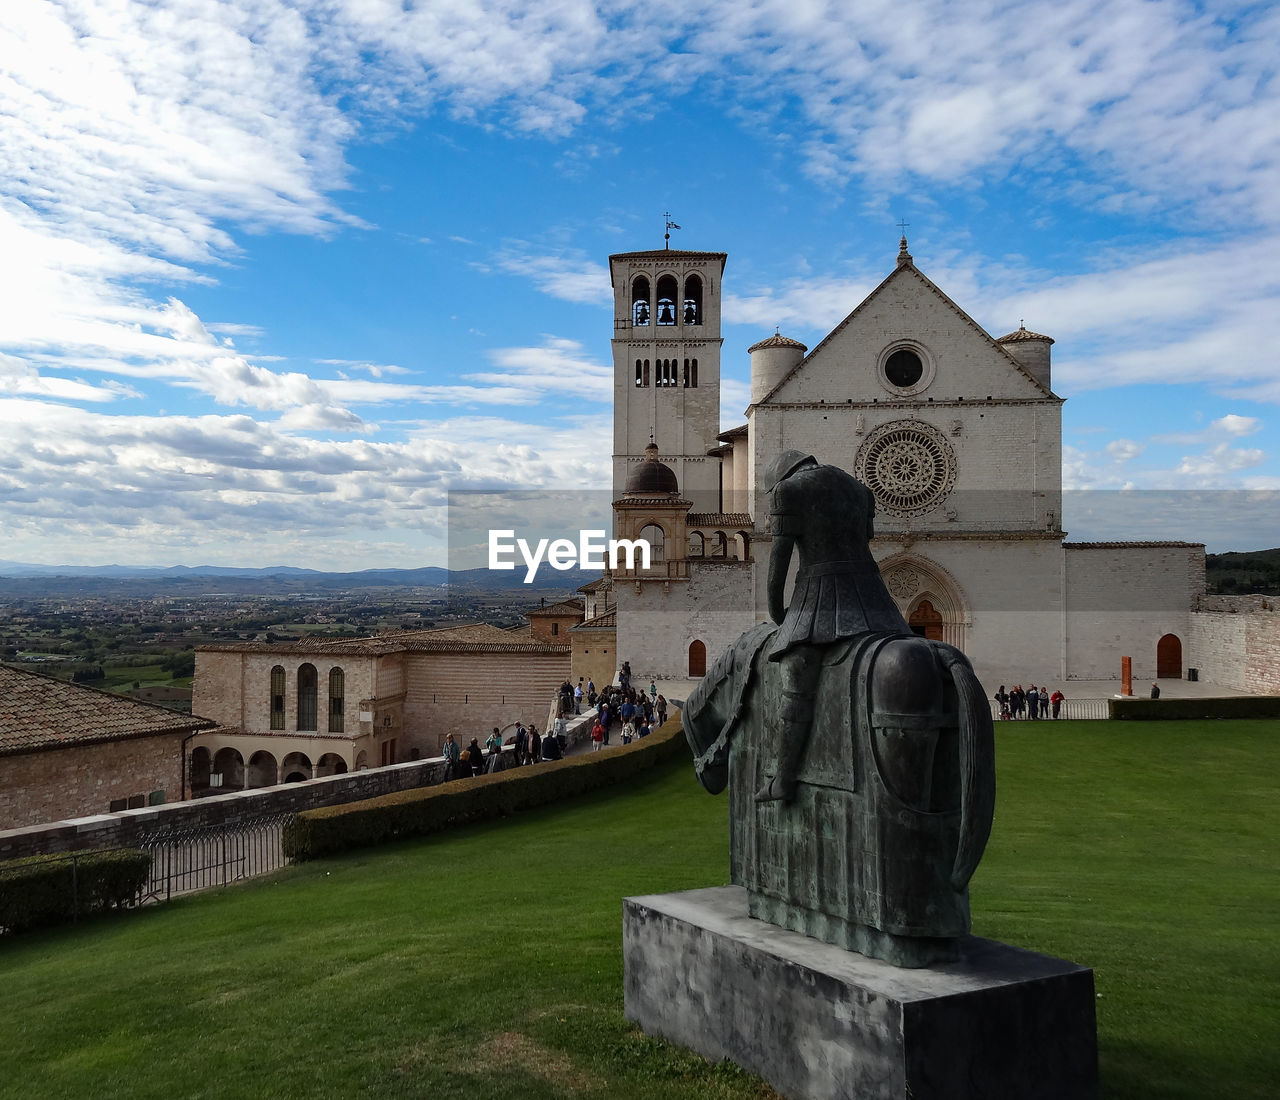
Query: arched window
[
  {"x": 693, "y": 374},
  {"x": 667, "y": 291},
  {"x": 697, "y": 659},
  {"x": 277, "y": 698},
  {"x": 697, "y": 544},
  {"x": 337, "y": 683},
  {"x": 693, "y": 300},
  {"x": 640, "y": 301},
  {"x": 719, "y": 545},
  {"x": 646, "y": 372},
  {"x": 639, "y": 373},
  {"x": 307, "y": 697},
  {"x": 742, "y": 546},
  {"x": 657, "y": 540}
]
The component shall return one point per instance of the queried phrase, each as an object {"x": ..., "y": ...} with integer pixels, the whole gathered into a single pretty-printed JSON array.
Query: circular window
[
  {"x": 908, "y": 466},
  {"x": 903, "y": 368}
]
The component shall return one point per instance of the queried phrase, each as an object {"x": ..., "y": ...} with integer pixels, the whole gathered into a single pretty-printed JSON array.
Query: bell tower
[{"x": 666, "y": 366}]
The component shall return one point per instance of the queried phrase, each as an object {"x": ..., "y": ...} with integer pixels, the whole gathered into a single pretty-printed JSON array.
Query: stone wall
[
  {"x": 1122, "y": 598},
  {"x": 86, "y": 779},
  {"x": 467, "y": 694},
  {"x": 1239, "y": 645},
  {"x": 112, "y": 830}
]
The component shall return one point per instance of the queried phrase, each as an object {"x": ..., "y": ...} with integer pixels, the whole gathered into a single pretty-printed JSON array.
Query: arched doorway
[
  {"x": 330, "y": 764},
  {"x": 1169, "y": 658},
  {"x": 296, "y": 767},
  {"x": 228, "y": 765},
  {"x": 926, "y": 621},
  {"x": 262, "y": 769},
  {"x": 697, "y": 659}
]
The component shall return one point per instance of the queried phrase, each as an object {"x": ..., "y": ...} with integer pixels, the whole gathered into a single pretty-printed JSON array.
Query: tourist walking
[{"x": 451, "y": 754}]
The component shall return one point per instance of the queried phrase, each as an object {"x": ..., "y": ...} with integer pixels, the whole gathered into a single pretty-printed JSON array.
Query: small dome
[
  {"x": 777, "y": 340},
  {"x": 651, "y": 477},
  {"x": 1023, "y": 333}
]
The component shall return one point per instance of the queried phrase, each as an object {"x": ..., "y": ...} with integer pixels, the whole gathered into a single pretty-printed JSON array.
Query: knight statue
[{"x": 859, "y": 757}]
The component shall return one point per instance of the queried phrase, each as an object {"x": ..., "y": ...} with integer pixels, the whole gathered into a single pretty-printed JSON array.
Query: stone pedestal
[{"x": 816, "y": 1021}]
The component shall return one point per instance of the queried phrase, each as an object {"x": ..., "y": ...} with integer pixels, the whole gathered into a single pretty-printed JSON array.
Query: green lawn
[{"x": 487, "y": 963}]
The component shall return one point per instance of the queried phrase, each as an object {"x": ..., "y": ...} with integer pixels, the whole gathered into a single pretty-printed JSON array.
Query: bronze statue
[{"x": 859, "y": 757}]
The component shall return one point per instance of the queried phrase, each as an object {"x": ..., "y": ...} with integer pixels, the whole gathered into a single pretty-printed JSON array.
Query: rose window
[{"x": 909, "y": 467}]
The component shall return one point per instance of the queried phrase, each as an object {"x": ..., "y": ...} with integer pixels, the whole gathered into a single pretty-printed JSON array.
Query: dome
[{"x": 651, "y": 477}]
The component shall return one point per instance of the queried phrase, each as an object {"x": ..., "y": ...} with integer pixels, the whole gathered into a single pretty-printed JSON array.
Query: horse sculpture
[{"x": 889, "y": 809}]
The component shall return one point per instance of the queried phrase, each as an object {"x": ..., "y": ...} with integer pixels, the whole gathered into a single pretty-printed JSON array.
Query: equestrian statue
[{"x": 859, "y": 756}]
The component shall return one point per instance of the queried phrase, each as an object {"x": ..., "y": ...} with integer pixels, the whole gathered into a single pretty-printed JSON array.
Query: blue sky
[{"x": 279, "y": 274}]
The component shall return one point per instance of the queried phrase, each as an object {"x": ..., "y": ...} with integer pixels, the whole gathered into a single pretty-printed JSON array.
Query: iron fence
[{"x": 185, "y": 858}]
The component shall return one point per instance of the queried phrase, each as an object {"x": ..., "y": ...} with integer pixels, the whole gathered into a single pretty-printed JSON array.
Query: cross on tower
[{"x": 903, "y": 226}]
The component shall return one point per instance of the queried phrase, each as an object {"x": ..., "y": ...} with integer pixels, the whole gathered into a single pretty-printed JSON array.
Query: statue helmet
[{"x": 784, "y": 465}]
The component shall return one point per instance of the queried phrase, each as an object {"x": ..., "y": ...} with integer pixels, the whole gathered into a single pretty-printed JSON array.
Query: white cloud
[{"x": 571, "y": 277}]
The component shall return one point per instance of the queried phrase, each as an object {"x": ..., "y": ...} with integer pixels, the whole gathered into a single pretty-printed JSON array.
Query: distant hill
[
  {"x": 24, "y": 579},
  {"x": 1237, "y": 573}
]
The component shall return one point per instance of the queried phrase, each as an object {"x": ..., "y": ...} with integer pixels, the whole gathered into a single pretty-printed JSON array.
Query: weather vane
[{"x": 666, "y": 237}]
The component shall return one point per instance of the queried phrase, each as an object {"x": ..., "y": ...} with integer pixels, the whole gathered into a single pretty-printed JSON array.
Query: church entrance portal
[{"x": 926, "y": 621}]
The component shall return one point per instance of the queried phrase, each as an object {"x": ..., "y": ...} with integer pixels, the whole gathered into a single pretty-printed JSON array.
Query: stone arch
[
  {"x": 362, "y": 760},
  {"x": 640, "y": 300},
  {"x": 697, "y": 544},
  {"x": 296, "y": 767},
  {"x": 692, "y": 300},
  {"x": 668, "y": 304},
  {"x": 1169, "y": 658},
  {"x": 263, "y": 770},
  {"x": 697, "y": 659},
  {"x": 330, "y": 764},
  {"x": 741, "y": 545},
  {"x": 913, "y": 581},
  {"x": 656, "y": 537},
  {"x": 228, "y": 763},
  {"x": 201, "y": 764}
]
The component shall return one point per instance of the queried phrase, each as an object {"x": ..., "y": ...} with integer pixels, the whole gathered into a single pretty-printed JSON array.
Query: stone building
[
  {"x": 73, "y": 751},
  {"x": 299, "y": 710},
  {"x": 958, "y": 435}
]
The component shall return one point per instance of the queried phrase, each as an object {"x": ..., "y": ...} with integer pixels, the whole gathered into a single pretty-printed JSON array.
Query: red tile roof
[{"x": 38, "y": 713}]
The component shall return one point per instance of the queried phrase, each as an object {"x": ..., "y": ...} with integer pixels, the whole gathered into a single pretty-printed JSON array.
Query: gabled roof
[
  {"x": 571, "y": 606},
  {"x": 907, "y": 269},
  {"x": 38, "y": 713}
]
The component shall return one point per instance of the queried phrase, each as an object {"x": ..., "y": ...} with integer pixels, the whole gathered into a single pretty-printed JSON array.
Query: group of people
[
  {"x": 527, "y": 744},
  {"x": 637, "y": 713},
  {"x": 634, "y": 711},
  {"x": 1031, "y": 704}
]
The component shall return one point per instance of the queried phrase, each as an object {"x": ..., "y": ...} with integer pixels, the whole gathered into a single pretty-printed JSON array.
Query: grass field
[{"x": 487, "y": 963}]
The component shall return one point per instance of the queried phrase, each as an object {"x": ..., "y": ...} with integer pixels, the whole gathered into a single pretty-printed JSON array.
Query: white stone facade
[{"x": 959, "y": 436}]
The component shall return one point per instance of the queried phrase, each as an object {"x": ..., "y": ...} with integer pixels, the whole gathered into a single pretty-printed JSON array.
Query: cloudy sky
[{"x": 278, "y": 274}]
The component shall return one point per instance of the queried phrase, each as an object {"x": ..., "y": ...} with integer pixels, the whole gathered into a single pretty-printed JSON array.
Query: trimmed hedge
[
  {"x": 42, "y": 891},
  {"x": 1242, "y": 706},
  {"x": 314, "y": 834}
]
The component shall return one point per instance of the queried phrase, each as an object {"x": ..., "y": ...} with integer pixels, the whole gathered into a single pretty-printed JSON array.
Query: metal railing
[
  {"x": 185, "y": 858},
  {"x": 1071, "y": 708}
]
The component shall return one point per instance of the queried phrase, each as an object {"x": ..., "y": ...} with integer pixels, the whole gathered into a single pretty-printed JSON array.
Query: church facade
[{"x": 957, "y": 434}]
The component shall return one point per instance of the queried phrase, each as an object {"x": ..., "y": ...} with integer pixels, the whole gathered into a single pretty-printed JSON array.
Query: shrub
[
  {"x": 1243, "y": 706},
  {"x": 41, "y": 891},
  {"x": 314, "y": 834}
]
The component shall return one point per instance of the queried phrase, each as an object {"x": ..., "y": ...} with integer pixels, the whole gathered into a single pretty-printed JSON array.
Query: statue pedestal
[{"x": 817, "y": 1021}]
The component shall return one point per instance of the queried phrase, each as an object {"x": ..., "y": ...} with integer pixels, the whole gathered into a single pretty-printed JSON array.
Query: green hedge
[
  {"x": 1242, "y": 706},
  {"x": 41, "y": 891},
  {"x": 314, "y": 834}
]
